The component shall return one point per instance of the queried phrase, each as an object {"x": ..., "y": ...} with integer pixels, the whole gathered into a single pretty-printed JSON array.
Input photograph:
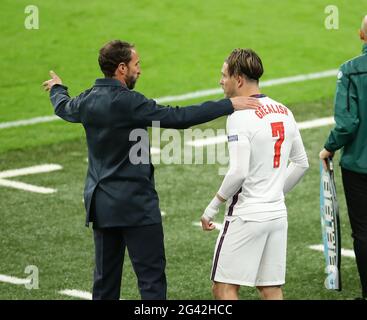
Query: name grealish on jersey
[{"x": 261, "y": 144}]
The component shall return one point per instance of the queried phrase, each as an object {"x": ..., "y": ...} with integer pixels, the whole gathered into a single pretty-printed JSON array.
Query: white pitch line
[
  {"x": 26, "y": 187},
  {"x": 300, "y": 78},
  {"x": 344, "y": 252},
  {"x": 190, "y": 95},
  {"x": 72, "y": 293},
  {"x": 321, "y": 122},
  {"x": 218, "y": 226},
  {"x": 26, "y": 171},
  {"x": 30, "y": 170},
  {"x": 263, "y": 84},
  {"x": 14, "y": 280},
  {"x": 316, "y": 123},
  {"x": 28, "y": 122},
  {"x": 76, "y": 294}
]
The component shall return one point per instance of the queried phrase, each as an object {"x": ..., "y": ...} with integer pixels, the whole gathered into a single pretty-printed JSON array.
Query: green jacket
[{"x": 350, "y": 132}]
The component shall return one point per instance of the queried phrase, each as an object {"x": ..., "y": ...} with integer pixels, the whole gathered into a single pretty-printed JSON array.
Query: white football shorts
[{"x": 251, "y": 253}]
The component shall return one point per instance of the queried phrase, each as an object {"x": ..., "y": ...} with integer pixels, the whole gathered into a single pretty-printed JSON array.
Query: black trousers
[
  {"x": 146, "y": 250},
  {"x": 355, "y": 187}
]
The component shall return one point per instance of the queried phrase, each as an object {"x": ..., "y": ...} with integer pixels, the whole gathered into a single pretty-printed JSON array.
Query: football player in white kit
[{"x": 251, "y": 247}]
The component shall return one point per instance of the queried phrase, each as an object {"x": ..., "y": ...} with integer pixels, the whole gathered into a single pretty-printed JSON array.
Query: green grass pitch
[{"x": 182, "y": 45}]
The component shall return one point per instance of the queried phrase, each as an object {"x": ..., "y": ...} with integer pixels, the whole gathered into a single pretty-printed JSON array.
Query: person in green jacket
[{"x": 350, "y": 135}]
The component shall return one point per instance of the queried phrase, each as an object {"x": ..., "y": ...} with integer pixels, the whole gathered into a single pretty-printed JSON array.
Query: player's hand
[
  {"x": 324, "y": 156},
  {"x": 207, "y": 224},
  {"x": 55, "y": 79},
  {"x": 242, "y": 103}
]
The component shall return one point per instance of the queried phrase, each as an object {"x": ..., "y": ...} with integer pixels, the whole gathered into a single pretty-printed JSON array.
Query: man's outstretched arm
[
  {"x": 65, "y": 107},
  {"x": 144, "y": 111}
]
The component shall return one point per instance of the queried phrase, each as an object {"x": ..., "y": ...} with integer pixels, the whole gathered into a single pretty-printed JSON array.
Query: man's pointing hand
[{"x": 55, "y": 79}]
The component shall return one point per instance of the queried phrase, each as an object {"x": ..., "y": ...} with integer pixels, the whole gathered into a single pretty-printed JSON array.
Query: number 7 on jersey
[{"x": 277, "y": 129}]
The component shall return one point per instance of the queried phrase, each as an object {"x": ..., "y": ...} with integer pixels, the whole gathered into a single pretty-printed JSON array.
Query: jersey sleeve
[
  {"x": 144, "y": 111},
  {"x": 65, "y": 107},
  {"x": 345, "y": 113},
  {"x": 239, "y": 148},
  {"x": 298, "y": 163}
]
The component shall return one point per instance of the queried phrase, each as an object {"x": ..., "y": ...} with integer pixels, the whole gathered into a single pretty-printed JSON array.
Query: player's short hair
[
  {"x": 112, "y": 54},
  {"x": 245, "y": 62}
]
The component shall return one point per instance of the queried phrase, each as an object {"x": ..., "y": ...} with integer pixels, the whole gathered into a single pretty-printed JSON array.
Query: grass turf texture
[
  {"x": 182, "y": 46},
  {"x": 47, "y": 230}
]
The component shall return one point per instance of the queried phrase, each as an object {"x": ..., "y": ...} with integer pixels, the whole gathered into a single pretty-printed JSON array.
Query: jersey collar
[{"x": 259, "y": 95}]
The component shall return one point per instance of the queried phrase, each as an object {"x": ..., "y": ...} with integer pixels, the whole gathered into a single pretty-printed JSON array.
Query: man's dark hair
[
  {"x": 245, "y": 62},
  {"x": 112, "y": 54}
]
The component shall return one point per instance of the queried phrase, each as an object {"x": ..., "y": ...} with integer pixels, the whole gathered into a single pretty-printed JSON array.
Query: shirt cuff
[{"x": 57, "y": 86}]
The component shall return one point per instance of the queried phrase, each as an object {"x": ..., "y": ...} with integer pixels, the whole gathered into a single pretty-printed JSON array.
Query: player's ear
[{"x": 240, "y": 81}]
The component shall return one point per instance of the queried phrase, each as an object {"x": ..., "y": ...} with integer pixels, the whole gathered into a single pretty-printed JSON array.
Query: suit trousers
[
  {"x": 355, "y": 188},
  {"x": 146, "y": 251}
]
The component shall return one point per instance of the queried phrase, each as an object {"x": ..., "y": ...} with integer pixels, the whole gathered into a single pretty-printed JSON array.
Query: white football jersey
[{"x": 272, "y": 138}]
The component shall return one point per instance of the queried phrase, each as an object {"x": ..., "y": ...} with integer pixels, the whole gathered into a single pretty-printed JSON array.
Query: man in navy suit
[{"x": 120, "y": 196}]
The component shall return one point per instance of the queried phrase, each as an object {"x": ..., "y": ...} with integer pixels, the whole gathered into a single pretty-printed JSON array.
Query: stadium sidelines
[
  {"x": 190, "y": 95},
  {"x": 197, "y": 143}
]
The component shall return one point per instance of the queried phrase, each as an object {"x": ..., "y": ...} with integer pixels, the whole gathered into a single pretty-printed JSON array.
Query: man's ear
[
  {"x": 122, "y": 68},
  {"x": 240, "y": 81},
  {"x": 362, "y": 35}
]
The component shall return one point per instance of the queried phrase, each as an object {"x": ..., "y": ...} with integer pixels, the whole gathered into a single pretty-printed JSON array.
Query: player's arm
[
  {"x": 239, "y": 160},
  {"x": 298, "y": 164}
]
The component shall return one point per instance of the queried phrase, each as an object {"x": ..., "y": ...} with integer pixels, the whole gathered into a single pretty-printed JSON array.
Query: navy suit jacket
[{"x": 123, "y": 192}]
